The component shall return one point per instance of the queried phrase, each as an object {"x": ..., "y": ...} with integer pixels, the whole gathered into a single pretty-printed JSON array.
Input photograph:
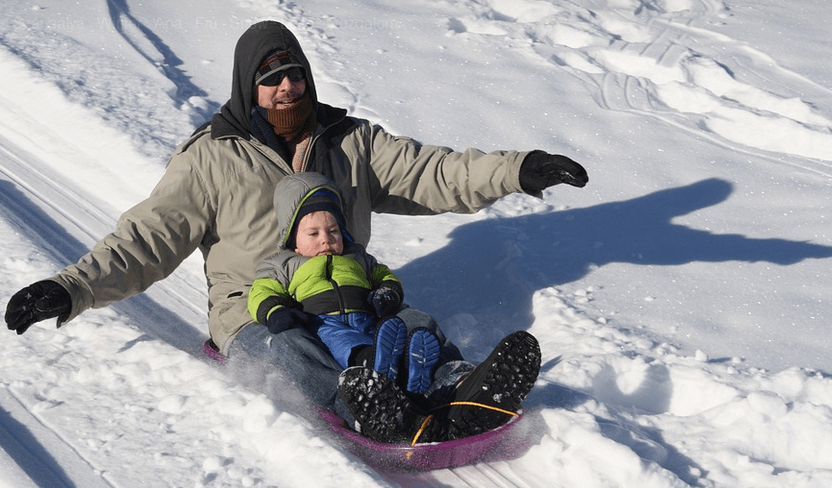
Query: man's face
[
  {"x": 283, "y": 95},
  {"x": 318, "y": 234}
]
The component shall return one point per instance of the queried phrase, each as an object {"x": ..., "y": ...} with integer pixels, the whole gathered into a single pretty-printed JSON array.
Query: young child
[{"x": 321, "y": 279}]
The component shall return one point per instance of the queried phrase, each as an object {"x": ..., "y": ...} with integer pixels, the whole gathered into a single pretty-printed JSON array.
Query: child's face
[{"x": 318, "y": 234}]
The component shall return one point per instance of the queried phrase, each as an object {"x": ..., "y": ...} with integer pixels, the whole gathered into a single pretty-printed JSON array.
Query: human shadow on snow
[
  {"x": 171, "y": 65},
  {"x": 492, "y": 267}
]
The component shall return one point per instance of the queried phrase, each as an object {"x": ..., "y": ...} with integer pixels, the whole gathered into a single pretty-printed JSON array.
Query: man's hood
[
  {"x": 254, "y": 45},
  {"x": 290, "y": 194}
]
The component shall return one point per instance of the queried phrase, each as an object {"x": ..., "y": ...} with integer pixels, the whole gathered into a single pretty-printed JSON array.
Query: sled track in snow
[
  {"x": 57, "y": 203},
  {"x": 684, "y": 48},
  {"x": 485, "y": 475},
  {"x": 674, "y": 67},
  {"x": 44, "y": 457},
  {"x": 63, "y": 223}
]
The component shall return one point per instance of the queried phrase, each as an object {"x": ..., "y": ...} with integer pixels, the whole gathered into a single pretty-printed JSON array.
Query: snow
[{"x": 681, "y": 299}]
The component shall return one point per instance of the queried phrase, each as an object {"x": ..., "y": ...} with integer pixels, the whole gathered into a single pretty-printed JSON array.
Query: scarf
[{"x": 294, "y": 125}]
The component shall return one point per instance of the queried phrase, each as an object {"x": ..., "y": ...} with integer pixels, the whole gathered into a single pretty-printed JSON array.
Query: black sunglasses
[{"x": 276, "y": 78}]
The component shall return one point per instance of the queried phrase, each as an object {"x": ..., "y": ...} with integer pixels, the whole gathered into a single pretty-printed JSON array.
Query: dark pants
[
  {"x": 297, "y": 357},
  {"x": 302, "y": 361}
]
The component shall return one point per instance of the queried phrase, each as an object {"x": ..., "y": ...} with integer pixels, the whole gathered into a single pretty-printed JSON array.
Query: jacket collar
[{"x": 222, "y": 128}]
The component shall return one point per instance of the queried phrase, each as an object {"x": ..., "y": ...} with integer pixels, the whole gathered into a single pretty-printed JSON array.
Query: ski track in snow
[
  {"x": 61, "y": 466},
  {"x": 610, "y": 411},
  {"x": 658, "y": 58}
]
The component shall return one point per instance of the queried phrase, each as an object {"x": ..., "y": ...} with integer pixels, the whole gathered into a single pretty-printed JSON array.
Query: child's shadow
[{"x": 491, "y": 268}]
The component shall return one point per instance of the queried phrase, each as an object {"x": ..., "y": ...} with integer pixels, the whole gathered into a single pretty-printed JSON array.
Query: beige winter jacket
[{"x": 216, "y": 196}]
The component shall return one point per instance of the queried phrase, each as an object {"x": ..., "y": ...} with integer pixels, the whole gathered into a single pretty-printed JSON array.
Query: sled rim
[{"x": 428, "y": 456}]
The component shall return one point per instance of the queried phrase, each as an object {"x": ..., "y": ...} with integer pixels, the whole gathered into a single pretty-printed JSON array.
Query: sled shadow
[
  {"x": 649, "y": 444},
  {"x": 653, "y": 395},
  {"x": 491, "y": 268}
]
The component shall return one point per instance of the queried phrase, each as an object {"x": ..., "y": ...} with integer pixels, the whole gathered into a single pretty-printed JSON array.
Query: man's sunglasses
[{"x": 276, "y": 78}]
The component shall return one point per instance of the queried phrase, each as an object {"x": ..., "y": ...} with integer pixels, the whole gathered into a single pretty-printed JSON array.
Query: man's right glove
[
  {"x": 541, "y": 170},
  {"x": 39, "y": 301},
  {"x": 286, "y": 318}
]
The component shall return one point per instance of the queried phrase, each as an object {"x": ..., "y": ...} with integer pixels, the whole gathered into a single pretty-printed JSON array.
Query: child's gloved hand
[
  {"x": 285, "y": 318},
  {"x": 387, "y": 298}
]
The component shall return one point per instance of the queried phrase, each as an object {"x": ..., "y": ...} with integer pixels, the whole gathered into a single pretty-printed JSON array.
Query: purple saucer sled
[{"x": 460, "y": 452}]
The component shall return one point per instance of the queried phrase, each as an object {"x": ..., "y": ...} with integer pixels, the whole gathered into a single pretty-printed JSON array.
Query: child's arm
[
  {"x": 265, "y": 296},
  {"x": 382, "y": 273},
  {"x": 271, "y": 305}
]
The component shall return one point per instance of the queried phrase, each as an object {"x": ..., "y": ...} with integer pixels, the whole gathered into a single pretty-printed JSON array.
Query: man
[{"x": 216, "y": 196}]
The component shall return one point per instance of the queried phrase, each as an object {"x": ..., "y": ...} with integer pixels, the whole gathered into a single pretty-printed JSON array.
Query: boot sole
[
  {"x": 390, "y": 340},
  {"x": 502, "y": 381},
  {"x": 380, "y": 407},
  {"x": 421, "y": 358}
]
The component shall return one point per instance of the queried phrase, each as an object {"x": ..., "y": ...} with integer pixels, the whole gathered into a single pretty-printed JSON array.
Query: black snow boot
[
  {"x": 493, "y": 392},
  {"x": 378, "y": 405},
  {"x": 384, "y": 411}
]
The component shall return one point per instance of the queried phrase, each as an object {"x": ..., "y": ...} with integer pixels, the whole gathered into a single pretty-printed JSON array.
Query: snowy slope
[{"x": 681, "y": 299}]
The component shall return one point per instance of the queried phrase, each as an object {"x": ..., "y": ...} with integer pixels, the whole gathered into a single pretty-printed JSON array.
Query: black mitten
[
  {"x": 387, "y": 298},
  {"x": 38, "y": 301},
  {"x": 285, "y": 318},
  {"x": 541, "y": 170}
]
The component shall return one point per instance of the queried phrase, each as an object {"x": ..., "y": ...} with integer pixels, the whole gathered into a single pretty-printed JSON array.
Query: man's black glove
[
  {"x": 541, "y": 170},
  {"x": 285, "y": 318},
  {"x": 38, "y": 301},
  {"x": 387, "y": 298}
]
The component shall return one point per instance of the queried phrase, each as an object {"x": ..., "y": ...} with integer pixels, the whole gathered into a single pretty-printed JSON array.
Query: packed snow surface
[{"x": 682, "y": 299}]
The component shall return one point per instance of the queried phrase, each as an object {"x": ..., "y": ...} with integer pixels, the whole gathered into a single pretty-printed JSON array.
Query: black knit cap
[
  {"x": 322, "y": 199},
  {"x": 275, "y": 61}
]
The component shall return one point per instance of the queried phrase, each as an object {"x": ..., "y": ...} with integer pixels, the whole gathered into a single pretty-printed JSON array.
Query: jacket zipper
[
  {"x": 335, "y": 287},
  {"x": 308, "y": 151}
]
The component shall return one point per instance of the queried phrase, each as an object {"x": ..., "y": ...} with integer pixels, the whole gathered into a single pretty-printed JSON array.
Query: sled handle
[{"x": 454, "y": 404}]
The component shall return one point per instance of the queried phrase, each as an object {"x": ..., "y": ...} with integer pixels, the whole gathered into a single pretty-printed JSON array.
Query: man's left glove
[
  {"x": 39, "y": 301},
  {"x": 387, "y": 298},
  {"x": 541, "y": 170}
]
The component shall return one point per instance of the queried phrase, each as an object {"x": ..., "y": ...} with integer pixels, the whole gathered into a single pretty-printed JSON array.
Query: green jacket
[
  {"x": 216, "y": 197},
  {"x": 320, "y": 284}
]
